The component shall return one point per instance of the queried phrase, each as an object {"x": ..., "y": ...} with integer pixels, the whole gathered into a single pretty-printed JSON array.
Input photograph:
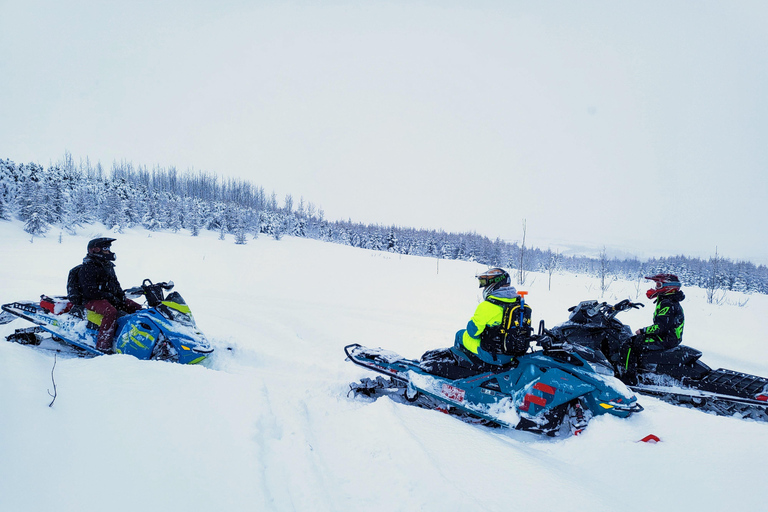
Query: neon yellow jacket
[{"x": 487, "y": 315}]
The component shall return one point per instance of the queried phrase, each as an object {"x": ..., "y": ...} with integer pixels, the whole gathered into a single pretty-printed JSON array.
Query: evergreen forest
[{"x": 68, "y": 195}]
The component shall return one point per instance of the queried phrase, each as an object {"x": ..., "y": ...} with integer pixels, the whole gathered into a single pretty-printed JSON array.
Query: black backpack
[
  {"x": 513, "y": 336},
  {"x": 74, "y": 291}
]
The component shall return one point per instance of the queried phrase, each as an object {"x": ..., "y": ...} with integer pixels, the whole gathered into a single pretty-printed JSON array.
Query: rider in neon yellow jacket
[{"x": 481, "y": 342}]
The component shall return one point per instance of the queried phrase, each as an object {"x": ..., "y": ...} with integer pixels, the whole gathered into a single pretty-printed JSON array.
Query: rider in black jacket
[
  {"x": 101, "y": 291},
  {"x": 667, "y": 329}
]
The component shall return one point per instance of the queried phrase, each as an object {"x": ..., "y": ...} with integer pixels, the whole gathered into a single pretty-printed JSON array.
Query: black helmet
[
  {"x": 493, "y": 279},
  {"x": 101, "y": 248}
]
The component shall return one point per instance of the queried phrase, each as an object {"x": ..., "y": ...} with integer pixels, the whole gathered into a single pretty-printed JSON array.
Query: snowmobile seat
[
  {"x": 444, "y": 363},
  {"x": 674, "y": 356}
]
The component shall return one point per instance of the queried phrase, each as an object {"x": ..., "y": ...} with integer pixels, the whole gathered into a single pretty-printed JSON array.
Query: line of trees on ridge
[{"x": 68, "y": 195}]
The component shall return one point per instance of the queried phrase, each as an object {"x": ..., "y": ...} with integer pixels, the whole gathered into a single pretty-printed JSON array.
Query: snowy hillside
[{"x": 266, "y": 424}]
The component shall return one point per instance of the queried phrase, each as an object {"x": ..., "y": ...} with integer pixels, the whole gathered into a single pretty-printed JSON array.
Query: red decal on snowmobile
[
  {"x": 536, "y": 400},
  {"x": 532, "y": 399},
  {"x": 544, "y": 387}
]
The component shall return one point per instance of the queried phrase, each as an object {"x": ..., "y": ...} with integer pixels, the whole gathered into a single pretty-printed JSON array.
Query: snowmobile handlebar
[
  {"x": 139, "y": 290},
  {"x": 165, "y": 286},
  {"x": 152, "y": 291},
  {"x": 626, "y": 304},
  {"x": 590, "y": 309},
  {"x": 545, "y": 338}
]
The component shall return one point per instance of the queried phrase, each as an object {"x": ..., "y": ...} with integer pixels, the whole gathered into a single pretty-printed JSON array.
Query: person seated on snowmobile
[
  {"x": 666, "y": 331},
  {"x": 497, "y": 332},
  {"x": 94, "y": 285}
]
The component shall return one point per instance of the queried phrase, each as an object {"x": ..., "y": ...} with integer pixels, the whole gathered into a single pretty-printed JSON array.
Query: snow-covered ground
[{"x": 266, "y": 423}]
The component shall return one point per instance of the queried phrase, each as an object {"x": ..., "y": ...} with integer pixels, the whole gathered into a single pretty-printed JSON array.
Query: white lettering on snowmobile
[{"x": 453, "y": 393}]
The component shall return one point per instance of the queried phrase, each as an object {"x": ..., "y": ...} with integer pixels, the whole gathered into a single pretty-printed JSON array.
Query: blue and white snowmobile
[
  {"x": 554, "y": 391},
  {"x": 165, "y": 330}
]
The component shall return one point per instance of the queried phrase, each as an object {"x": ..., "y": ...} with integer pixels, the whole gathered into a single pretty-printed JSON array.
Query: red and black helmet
[{"x": 665, "y": 283}]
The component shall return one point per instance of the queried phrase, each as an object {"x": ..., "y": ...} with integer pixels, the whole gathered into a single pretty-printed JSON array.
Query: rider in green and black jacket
[{"x": 668, "y": 321}]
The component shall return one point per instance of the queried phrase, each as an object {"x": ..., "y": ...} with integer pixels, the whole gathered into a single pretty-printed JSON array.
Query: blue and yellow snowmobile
[{"x": 165, "y": 330}]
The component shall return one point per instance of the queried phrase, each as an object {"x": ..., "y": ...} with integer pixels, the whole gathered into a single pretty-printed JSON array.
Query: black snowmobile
[{"x": 676, "y": 376}]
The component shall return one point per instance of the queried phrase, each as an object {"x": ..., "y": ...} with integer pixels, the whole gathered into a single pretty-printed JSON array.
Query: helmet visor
[{"x": 490, "y": 278}]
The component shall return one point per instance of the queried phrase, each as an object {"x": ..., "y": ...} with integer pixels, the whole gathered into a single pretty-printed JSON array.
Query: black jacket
[
  {"x": 668, "y": 321},
  {"x": 99, "y": 281}
]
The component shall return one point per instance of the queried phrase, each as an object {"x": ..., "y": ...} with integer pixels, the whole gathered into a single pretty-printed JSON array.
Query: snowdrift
[{"x": 266, "y": 423}]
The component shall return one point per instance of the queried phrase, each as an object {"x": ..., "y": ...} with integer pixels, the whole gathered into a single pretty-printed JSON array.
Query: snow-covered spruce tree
[
  {"x": 460, "y": 250},
  {"x": 173, "y": 213},
  {"x": 52, "y": 194},
  {"x": 7, "y": 188},
  {"x": 240, "y": 236},
  {"x": 279, "y": 228},
  {"x": 113, "y": 210},
  {"x": 151, "y": 219},
  {"x": 392, "y": 242},
  {"x": 241, "y": 227},
  {"x": 216, "y": 221},
  {"x": 193, "y": 219},
  {"x": 231, "y": 214},
  {"x": 33, "y": 206},
  {"x": 35, "y": 224},
  {"x": 83, "y": 207},
  {"x": 3, "y": 209},
  {"x": 299, "y": 228}
]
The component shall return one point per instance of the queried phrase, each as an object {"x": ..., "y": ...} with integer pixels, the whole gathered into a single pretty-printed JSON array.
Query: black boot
[{"x": 626, "y": 370}]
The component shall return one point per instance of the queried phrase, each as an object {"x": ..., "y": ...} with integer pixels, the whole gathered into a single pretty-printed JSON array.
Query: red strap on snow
[{"x": 650, "y": 438}]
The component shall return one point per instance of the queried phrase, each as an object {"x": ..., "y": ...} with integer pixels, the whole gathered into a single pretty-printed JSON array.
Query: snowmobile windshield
[
  {"x": 174, "y": 308},
  {"x": 596, "y": 360}
]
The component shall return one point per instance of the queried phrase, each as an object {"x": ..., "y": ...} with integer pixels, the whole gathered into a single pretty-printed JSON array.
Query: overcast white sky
[{"x": 636, "y": 125}]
